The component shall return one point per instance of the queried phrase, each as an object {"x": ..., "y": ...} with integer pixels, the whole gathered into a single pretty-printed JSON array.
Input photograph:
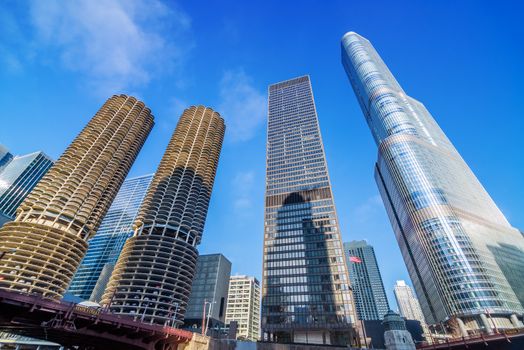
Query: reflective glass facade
[
  {"x": 19, "y": 176},
  {"x": 210, "y": 284},
  {"x": 368, "y": 288},
  {"x": 446, "y": 224},
  {"x": 306, "y": 296},
  {"x": 105, "y": 247},
  {"x": 5, "y": 157}
]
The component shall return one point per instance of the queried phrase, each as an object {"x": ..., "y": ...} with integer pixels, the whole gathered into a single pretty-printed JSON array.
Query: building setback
[
  {"x": 104, "y": 248},
  {"x": 153, "y": 275},
  {"x": 368, "y": 288},
  {"x": 18, "y": 176},
  {"x": 53, "y": 224},
  {"x": 243, "y": 306},
  {"x": 464, "y": 258},
  {"x": 306, "y": 295},
  {"x": 210, "y": 287}
]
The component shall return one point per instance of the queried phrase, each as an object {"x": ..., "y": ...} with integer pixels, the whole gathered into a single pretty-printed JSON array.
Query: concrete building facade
[
  {"x": 48, "y": 238},
  {"x": 153, "y": 275},
  {"x": 243, "y": 306}
]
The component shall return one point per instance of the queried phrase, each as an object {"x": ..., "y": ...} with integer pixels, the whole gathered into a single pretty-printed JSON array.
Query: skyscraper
[
  {"x": 407, "y": 302},
  {"x": 153, "y": 275},
  {"x": 368, "y": 288},
  {"x": 19, "y": 177},
  {"x": 5, "y": 157},
  {"x": 49, "y": 235},
  {"x": 105, "y": 247},
  {"x": 209, "y": 288},
  {"x": 243, "y": 306},
  {"x": 445, "y": 222},
  {"x": 306, "y": 296}
]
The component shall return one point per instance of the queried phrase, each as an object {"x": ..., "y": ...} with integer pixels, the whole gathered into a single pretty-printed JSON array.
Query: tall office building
[
  {"x": 459, "y": 248},
  {"x": 368, "y": 288},
  {"x": 105, "y": 247},
  {"x": 19, "y": 177},
  {"x": 209, "y": 288},
  {"x": 53, "y": 224},
  {"x": 153, "y": 275},
  {"x": 243, "y": 306},
  {"x": 407, "y": 302},
  {"x": 5, "y": 157},
  {"x": 306, "y": 295}
]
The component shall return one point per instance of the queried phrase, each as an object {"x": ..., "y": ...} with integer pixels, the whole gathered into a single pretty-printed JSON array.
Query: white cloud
[
  {"x": 243, "y": 106},
  {"x": 243, "y": 184},
  {"x": 116, "y": 44}
]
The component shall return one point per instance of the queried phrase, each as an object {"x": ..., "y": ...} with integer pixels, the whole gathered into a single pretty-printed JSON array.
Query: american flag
[{"x": 355, "y": 259}]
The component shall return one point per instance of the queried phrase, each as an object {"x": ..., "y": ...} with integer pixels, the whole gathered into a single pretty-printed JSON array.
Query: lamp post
[
  {"x": 205, "y": 322},
  {"x": 209, "y": 314}
]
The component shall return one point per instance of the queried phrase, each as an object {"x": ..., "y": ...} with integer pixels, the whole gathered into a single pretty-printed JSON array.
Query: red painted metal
[{"x": 74, "y": 324}]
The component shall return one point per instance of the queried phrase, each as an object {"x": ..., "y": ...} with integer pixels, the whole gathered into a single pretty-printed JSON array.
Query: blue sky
[{"x": 463, "y": 60}]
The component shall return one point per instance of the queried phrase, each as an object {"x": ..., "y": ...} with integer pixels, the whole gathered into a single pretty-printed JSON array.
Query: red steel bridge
[
  {"x": 499, "y": 341},
  {"x": 74, "y": 325}
]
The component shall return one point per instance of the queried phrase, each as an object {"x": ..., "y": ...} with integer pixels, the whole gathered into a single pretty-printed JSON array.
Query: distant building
[
  {"x": 243, "y": 306},
  {"x": 105, "y": 247},
  {"x": 210, "y": 287},
  {"x": 5, "y": 157},
  {"x": 368, "y": 288},
  {"x": 408, "y": 304},
  {"x": 18, "y": 177}
]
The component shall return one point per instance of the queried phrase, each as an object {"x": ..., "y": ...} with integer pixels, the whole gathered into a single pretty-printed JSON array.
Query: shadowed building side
[
  {"x": 153, "y": 275},
  {"x": 18, "y": 178},
  {"x": 306, "y": 294},
  {"x": 48, "y": 238}
]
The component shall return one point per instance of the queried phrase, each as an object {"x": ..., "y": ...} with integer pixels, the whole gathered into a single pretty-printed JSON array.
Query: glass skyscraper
[
  {"x": 5, "y": 157},
  {"x": 464, "y": 258},
  {"x": 306, "y": 296},
  {"x": 18, "y": 177},
  {"x": 368, "y": 288},
  {"x": 105, "y": 247},
  {"x": 210, "y": 287}
]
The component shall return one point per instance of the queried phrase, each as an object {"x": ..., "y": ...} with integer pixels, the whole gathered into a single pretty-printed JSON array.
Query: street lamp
[
  {"x": 209, "y": 314},
  {"x": 205, "y": 323}
]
